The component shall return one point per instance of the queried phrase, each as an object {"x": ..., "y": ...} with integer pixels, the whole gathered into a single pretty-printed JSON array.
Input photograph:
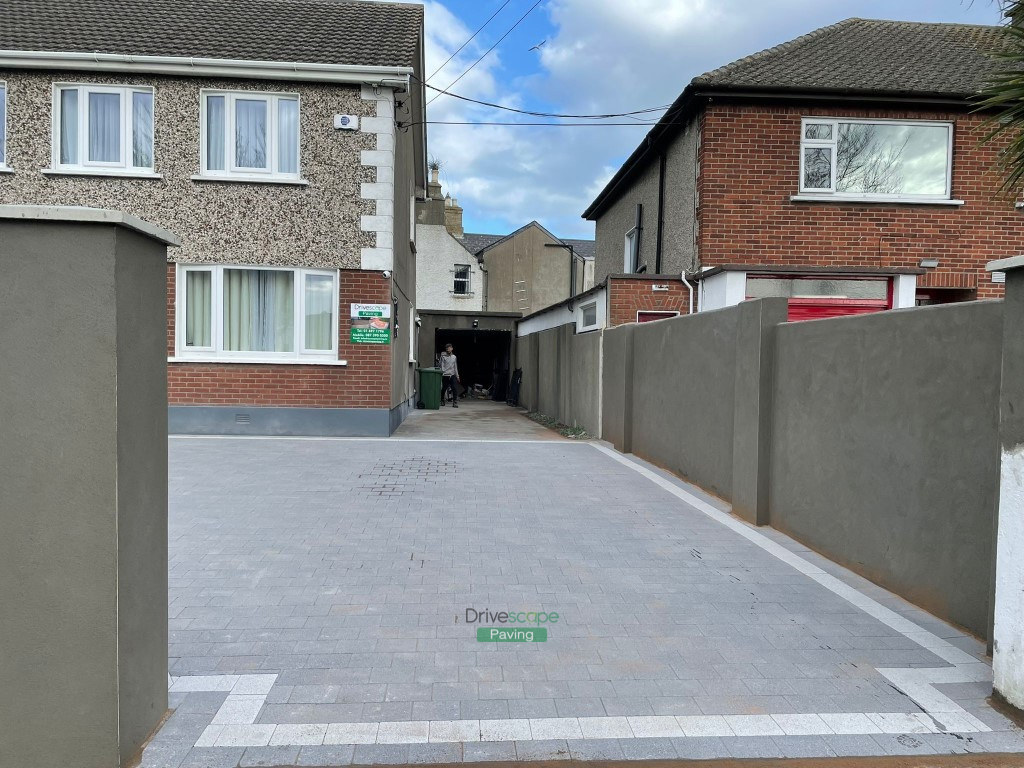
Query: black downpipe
[{"x": 661, "y": 214}]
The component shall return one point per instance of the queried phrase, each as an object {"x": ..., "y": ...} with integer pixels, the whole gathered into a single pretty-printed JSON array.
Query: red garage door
[
  {"x": 815, "y": 309},
  {"x": 812, "y": 297}
]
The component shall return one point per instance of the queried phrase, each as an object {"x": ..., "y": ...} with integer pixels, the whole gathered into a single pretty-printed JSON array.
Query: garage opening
[{"x": 484, "y": 358}]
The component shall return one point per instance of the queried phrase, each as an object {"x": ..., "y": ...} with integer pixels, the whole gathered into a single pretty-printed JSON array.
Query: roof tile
[
  {"x": 352, "y": 32},
  {"x": 868, "y": 55}
]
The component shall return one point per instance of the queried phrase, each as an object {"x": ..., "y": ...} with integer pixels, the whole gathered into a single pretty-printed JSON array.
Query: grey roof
[
  {"x": 353, "y": 32},
  {"x": 477, "y": 243},
  {"x": 474, "y": 243},
  {"x": 871, "y": 56},
  {"x": 857, "y": 57},
  {"x": 585, "y": 248}
]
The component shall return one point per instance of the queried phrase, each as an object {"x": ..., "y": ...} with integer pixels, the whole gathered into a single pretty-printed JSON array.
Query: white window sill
[
  {"x": 117, "y": 173},
  {"x": 255, "y": 360},
  {"x": 6, "y": 169},
  {"x": 252, "y": 180},
  {"x": 874, "y": 200},
  {"x": 469, "y": 295}
]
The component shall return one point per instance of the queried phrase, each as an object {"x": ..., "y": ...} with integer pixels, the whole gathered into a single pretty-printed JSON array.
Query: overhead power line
[
  {"x": 530, "y": 113},
  {"x": 481, "y": 29},
  {"x": 551, "y": 125},
  {"x": 485, "y": 53}
]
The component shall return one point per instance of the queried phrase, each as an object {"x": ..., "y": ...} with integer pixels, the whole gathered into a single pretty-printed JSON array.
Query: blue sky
[{"x": 598, "y": 56}]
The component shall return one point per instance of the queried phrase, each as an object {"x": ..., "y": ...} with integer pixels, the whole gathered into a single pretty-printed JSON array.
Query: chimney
[
  {"x": 453, "y": 217},
  {"x": 434, "y": 185}
]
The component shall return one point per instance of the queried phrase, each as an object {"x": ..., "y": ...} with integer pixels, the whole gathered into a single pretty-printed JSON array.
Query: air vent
[{"x": 242, "y": 418}]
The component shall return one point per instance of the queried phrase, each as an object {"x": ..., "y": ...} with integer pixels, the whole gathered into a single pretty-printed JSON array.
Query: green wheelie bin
[{"x": 430, "y": 387}]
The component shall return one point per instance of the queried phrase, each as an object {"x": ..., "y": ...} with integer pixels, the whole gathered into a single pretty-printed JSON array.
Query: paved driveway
[{"x": 318, "y": 613}]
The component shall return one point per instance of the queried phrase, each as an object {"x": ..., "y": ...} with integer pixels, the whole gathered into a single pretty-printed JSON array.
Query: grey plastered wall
[
  {"x": 684, "y": 380},
  {"x": 752, "y": 405},
  {"x": 884, "y": 451},
  {"x": 550, "y": 374},
  {"x": 562, "y": 376},
  {"x": 141, "y": 487},
  {"x": 584, "y": 377},
  {"x": 526, "y": 357},
  {"x": 83, "y": 550},
  {"x": 409, "y": 169},
  {"x": 525, "y": 261},
  {"x": 679, "y": 250},
  {"x": 617, "y": 389}
]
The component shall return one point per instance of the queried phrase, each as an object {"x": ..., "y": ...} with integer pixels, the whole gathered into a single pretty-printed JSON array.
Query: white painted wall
[
  {"x": 437, "y": 253},
  {"x": 560, "y": 314},
  {"x": 726, "y": 289},
  {"x": 904, "y": 291},
  {"x": 1008, "y": 632}
]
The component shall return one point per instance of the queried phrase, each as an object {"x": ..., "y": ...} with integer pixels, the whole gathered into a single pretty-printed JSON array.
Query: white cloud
[{"x": 603, "y": 56}]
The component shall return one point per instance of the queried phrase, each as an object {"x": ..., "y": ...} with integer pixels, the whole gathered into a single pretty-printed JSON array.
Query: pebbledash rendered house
[{"x": 283, "y": 142}]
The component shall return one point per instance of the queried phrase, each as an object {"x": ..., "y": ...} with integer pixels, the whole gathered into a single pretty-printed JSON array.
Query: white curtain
[
  {"x": 288, "y": 136},
  {"x": 215, "y": 132},
  {"x": 319, "y": 312},
  {"x": 69, "y": 126},
  {"x": 250, "y": 133},
  {"x": 104, "y": 127},
  {"x": 142, "y": 130},
  {"x": 198, "y": 308},
  {"x": 259, "y": 310}
]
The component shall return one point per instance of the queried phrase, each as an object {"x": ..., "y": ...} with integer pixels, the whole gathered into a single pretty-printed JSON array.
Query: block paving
[{"x": 318, "y": 596}]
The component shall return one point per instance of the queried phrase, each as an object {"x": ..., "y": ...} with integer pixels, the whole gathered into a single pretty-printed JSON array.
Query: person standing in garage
[{"x": 449, "y": 375}]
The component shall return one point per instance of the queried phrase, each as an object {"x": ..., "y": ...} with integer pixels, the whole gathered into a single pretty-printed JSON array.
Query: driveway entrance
[{"x": 326, "y": 597}]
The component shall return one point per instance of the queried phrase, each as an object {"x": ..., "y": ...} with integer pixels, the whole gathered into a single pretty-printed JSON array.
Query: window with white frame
[
  {"x": 3, "y": 124},
  {"x": 629, "y": 254},
  {"x": 463, "y": 280},
  {"x": 876, "y": 159},
  {"x": 250, "y": 135},
  {"x": 257, "y": 312},
  {"x": 588, "y": 315},
  {"x": 103, "y": 129}
]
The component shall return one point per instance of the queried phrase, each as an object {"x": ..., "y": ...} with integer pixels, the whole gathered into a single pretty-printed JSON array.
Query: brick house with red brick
[
  {"x": 844, "y": 170},
  {"x": 273, "y": 139}
]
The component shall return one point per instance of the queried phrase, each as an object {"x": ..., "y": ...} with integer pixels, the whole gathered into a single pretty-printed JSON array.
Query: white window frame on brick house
[
  {"x": 467, "y": 280},
  {"x": 831, "y": 145},
  {"x": 232, "y": 171},
  {"x": 80, "y": 163},
  {"x": 216, "y": 352}
]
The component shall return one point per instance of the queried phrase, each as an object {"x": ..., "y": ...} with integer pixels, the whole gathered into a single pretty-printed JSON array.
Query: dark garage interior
[{"x": 483, "y": 357}]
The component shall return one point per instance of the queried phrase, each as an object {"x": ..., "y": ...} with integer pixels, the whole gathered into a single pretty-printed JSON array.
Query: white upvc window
[
  {"x": 588, "y": 316},
  {"x": 103, "y": 129},
  {"x": 249, "y": 135},
  {"x": 3, "y": 125},
  {"x": 876, "y": 159},
  {"x": 253, "y": 314}
]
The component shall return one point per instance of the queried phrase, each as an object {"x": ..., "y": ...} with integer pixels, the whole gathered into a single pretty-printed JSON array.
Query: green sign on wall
[{"x": 371, "y": 324}]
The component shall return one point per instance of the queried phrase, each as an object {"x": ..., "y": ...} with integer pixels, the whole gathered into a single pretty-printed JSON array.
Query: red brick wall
[
  {"x": 750, "y": 158},
  {"x": 627, "y": 296},
  {"x": 364, "y": 383}
]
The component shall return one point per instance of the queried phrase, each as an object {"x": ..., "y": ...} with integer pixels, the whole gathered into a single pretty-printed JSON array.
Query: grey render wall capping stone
[{"x": 85, "y": 215}]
